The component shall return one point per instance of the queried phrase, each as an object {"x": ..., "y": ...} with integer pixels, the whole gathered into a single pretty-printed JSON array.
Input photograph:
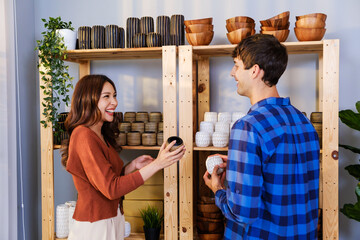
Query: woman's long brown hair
[{"x": 84, "y": 111}]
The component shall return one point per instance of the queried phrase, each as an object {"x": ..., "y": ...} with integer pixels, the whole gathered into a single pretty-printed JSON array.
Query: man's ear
[{"x": 256, "y": 71}]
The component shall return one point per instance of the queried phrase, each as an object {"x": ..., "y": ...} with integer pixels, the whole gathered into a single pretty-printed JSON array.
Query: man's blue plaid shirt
[{"x": 272, "y": 175}]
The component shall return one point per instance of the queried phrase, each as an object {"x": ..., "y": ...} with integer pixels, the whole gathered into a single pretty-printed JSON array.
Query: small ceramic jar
[
  {"x": 151, "y": 127},
  {"x": 160, "y": 138},
  {"x": 211, "y": 162},
  {"x": 155, "y": 117},
  {"x": 220, "y": 139},
  {"x": 62, "y": 221},
  {"x": 127, "y": 229},
  {"x": 142, "y": 117},
  {"x": 138, "y": 127},
  {"x": 129, "y": 116},
  {"x": 202, "y": 139},
  {"x": 133, "y": 138},
  {"x": 125, "y": 127},
  {"x": 236, "y": 116},
  {"x": 161, "y": 126},
  {"x": 148, "y": 139},
  {"x": 210, "y": 117},
  {"x": 224, "y": 117},
  {"x": 121, "y": 139},
  {"x": 316, "y": 117},
  {"x": 207, "y": 127},
  {"x": 179, "y": 142},
  {"x": 222, "y": 127}
]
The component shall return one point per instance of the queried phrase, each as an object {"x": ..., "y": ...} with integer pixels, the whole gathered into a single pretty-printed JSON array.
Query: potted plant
[
  {"x": 352, "y": 120},
  {"x": 152, "y": 222},
  {"x": 55, "y": 79}
]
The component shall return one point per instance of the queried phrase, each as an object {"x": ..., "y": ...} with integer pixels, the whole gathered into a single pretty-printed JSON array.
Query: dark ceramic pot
[
  {"x": 97, "y": 37},
  {"x": 114, "y": 37},
  {"x": 139, "y": 40},
  {"x": 153, "y": 40},
  {"x": 146, "y": 25},
  {"x": 177, "y": 30},
  {"x": 132, "y": 28},
  {"x": 163, "y": 28},
  {"x": 84, "y": 37},
  {"x": 152, "y": 233},
  {"x": 179, "y": 142}
]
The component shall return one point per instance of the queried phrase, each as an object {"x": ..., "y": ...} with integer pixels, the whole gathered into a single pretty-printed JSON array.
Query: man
[{"x": 272, "y": 167}]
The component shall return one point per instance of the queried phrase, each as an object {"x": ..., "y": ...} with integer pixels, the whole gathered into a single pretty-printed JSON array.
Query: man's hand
[{"x": 215, "y": 182}]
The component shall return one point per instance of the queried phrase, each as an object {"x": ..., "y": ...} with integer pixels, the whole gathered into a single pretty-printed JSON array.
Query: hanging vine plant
[{"x": 55, "y": 80}]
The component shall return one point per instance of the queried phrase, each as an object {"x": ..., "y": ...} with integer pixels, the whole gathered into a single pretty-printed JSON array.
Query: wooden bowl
[
  {"x": 211, "y": 236},
  {"x": 279, "y": 20},
  {"x": 309, "y": 34},
  {"x": 198, "y": 21},
  {"x": 243, "y": 19},
  {"x": 195, "y": 28},
  {"x": 198, "y": 39},
  {"x": 236, "y": 36},
  {"x": 210, "y": 227},
  {"x": 322, "y": 16},
  {"x": 281, "y": 35},
  {"x": 310, "y": 22},
  {"x": 207, "y": 208},
  {"x": 286, "y": 26},
  {"x": 232, "y": 26},
  {"x": 281, "y": 15}
]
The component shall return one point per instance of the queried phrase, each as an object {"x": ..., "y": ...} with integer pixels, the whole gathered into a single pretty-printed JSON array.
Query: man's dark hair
[{"x": 265, "y": 51}]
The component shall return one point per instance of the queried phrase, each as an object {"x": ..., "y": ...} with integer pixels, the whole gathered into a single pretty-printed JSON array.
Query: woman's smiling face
[{"x": 107, "y": 103}]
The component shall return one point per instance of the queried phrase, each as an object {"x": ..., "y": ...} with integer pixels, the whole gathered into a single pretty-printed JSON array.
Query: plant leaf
[
  {"x": 353, "y": 149},
  {"x": 350, "y": 118},
  {"x": 357, "y": 105},
  {"x": 351, "y": 211},
  {"x": 354, "y": 170}
]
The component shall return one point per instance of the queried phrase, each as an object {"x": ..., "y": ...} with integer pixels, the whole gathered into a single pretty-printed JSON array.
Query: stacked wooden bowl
[
  {"x": 210, "y": 221},
  {"x": 277, "y": 26},
  {"x": 199, "y": 31},
  {"x": 239, "y": 28},
  {"x": 310, "y": 27}
]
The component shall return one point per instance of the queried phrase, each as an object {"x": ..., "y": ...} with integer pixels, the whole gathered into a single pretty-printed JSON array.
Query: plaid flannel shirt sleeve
[{"x": 241, "y": 200}]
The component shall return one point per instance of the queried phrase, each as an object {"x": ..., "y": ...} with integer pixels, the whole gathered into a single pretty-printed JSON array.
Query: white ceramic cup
[
  {"x": 222, "y": 127},
  {"x": 211, "y": 162},
  {"x": 224, "y": 117},
  {"x": 62, "y": 221},
  {"x": 220, "y": 139},
  {"x": 207, "y": 127},
  {"x": 236, "y": 116},
  {"x": 202, "y": 139},
  {"x": 210, "y": 117},
  {"x": 127, "y": 229}
]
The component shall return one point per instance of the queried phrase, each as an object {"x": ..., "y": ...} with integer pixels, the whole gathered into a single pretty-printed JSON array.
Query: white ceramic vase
[
  {"x": 211, "y": 162},
  {"x": 222, "y": 127},
  {"x": 69, "y": 38},
  {"x": 224, "y": 117},
  {"x": 62, "y": 221},
  {"x": 220, "y": 139},
  {"x": 210, "y": 117},
  {"x": 207, "y": 127},
  {"x": 202, "y": 139}
]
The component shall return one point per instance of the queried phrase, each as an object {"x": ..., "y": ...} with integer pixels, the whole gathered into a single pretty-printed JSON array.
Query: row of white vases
[
  {"x": 64, "y": 220},
  {"x": 215, "y": 129}
]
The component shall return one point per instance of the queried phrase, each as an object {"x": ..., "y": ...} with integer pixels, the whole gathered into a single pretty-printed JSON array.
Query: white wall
[{"x": 138, "y": 82}]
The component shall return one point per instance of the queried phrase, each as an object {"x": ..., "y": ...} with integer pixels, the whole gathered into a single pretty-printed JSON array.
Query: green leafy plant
[
  {"x": 352, "y": 120},
  {"x": 56, "y": 80},
  {"x": 152, "y": 217}
]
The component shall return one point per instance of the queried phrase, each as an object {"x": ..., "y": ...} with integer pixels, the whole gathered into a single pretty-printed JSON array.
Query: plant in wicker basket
[
  {"x": 55, "y": 81},
  {"x": 352, "y": 120}
]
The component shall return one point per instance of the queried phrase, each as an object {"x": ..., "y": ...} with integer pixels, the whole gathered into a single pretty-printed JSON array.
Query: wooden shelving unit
[
  {"x": 83, "y": 58},
  {"x": 194, "y": 86},
  {"x": 194, "y": 93}
]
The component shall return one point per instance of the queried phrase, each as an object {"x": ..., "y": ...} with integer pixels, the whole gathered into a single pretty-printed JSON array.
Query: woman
[{"x": 99, "y": 174}]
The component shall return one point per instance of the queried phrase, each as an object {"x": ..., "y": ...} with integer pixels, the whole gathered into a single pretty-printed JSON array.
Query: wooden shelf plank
[
  {"x": 211, "y": 148},
  {"x": 133, "y": 236},
  {"x": 128, "y": 147},
  {"x": 113, "y": 54}
]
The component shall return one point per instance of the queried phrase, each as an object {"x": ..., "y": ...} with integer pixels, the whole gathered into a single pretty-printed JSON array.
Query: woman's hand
[
  {"x": 164, "y": 159},
  {"x": 142, "y": 161}
]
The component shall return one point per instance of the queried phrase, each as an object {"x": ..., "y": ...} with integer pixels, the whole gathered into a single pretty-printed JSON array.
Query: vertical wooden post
[
  {"x": 170, "y": 129},
  {"x": 186, "y": 133},
  {"x": 84, "y": 68},
  {"x": 47, "y": 172},
  {"x": 330, "y": 139}
]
